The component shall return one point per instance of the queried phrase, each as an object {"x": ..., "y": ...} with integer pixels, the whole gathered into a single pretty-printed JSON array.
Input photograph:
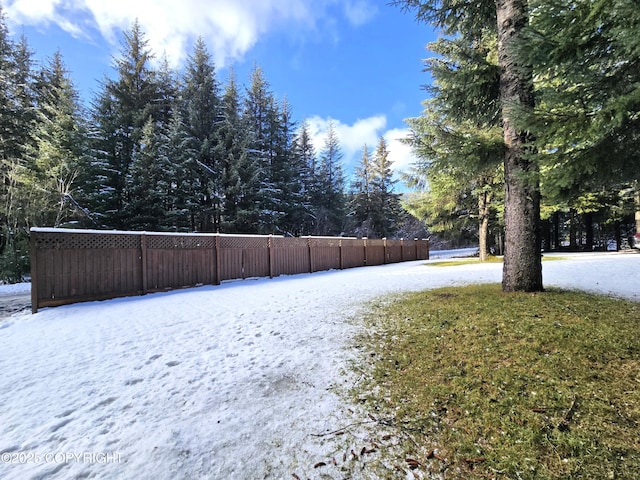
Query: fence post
[
  {"x": 311, "y": 265},
  {"x": 402, "y": 249},
  {"x": 428, "y": 248},
  {"x": 364, "y": 245},
  {"x": 341, "y": 254},
  {"x": 34, "y": 273},
  {"x": 143, "y": 261},
  {"x": 270, "y": 247},
  {"x": 216, "y": 253},
  {"x": 384, "y": 249},
  {"x": 415, "y": 241}
]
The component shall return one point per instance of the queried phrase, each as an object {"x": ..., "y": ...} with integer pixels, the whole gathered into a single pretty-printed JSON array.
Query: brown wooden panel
[
  {"x": 325, "y": 258},
  {"x": 291, "y": 260},
  {"x": 230, "y": 264},
  {"x": 255, "y": 262},
  {"x": 375, "y": 254},
  {"x": 353, "y": 256}
]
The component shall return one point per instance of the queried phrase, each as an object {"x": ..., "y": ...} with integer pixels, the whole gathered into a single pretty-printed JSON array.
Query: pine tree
[
  {"x": 239, "y": 169},
  {"x": 385, "y": 204},
  {"x": 286, "y": 173},
  {"x": 261, "y": 115},
  {"x": 305, "y": 174},
  {"x": 329, "y": 200},
  {"x": 122, "y": 109},
  {"x": 60, "y": 148},
  {"x": 203, "y": 117},
  {"x": 361, "y": 202},
  {"x": 181, "y": 199}
]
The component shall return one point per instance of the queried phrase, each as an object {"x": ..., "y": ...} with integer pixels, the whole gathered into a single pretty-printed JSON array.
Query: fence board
[{"x": 69, "y": 266}]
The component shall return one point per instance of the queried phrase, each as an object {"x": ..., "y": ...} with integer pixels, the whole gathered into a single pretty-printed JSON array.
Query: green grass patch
[
  {"x": 475, "y": 260},
  {"x": 483, "y": 384}
]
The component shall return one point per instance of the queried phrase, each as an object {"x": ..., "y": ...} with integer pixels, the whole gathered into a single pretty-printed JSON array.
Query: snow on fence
[{"x": 69, "y": 266}]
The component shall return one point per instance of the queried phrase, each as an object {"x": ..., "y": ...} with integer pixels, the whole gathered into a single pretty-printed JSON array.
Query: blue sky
[{"x": 355, "y": 62}]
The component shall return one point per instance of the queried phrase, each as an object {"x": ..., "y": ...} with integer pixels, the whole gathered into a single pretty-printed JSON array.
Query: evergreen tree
[
  {"x": 203, "y": 117},
  {"x": 361, "y": 201},
  {"x": 261, "y": 115},
  {"x": 239, "y": 169},
  {"x": 587, "y": 79},
  {"x": 444, "y": 202},
  {"x": 522, "y": 270},
  {"x": 181, "y": 163},
  {"x": 287, "y": 174},
  {"x": 386, "y": 210},
  {"x": 459, "y": 134},
  {"x": 17, "y": 144},
  {"x": 148, "y": 180},
  {"x": 329, "y": 199},
  {"x": 305, "y": 174},
  {"x": 120, "y": 113},
  {"x": 60, "y": 148}
]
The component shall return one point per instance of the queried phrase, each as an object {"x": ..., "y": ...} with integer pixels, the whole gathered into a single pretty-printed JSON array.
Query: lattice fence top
[
  {"x": 244, "y": 242},
  {"x": 72, "y": 241},
  {"x": 324, "y": 242},
  {"x": 170, "y": 242},
  {"x": 289, "y": 242}
]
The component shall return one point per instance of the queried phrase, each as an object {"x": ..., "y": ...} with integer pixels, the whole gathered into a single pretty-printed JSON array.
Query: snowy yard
[{"x": 233, "y": 381}]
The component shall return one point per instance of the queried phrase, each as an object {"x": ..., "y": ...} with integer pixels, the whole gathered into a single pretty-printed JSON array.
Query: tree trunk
[
  {"x": 588, "y": 231},
  {"x": 484, "y": 201},
  {"x": 573, "y": 231},
  {"x": 522, "y": 270},
  {"x": 637, "y": 203}
]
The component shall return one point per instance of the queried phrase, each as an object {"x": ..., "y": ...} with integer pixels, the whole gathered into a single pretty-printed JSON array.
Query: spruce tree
[
  {"x": 386, "y": 210},
  {"x": 239, "y": 169},
  {"x": 329, "y": 202},
  {"x": 261, "y": 115},
  {"x": 305, "y": 174},
  {"x": 60, "y": 149},
  {"x": 360, "y": 214},
  {"x": 181, "y": 199},
  {"x": 203, "y": 117},
  {"x": 120, "y": 112},
  {"x": 507, "y": 19}
]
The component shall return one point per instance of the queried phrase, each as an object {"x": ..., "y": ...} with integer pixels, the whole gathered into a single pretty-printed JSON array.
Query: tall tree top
[{"x": 452, "y": 16}]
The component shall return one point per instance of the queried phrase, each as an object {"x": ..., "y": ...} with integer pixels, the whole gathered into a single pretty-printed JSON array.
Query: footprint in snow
[
  {"x": 104, "y": 403},
  {"x": 153, "y": 357},
  {"x": 133, "y": 381},
  {"x": 58, "y": 426},
  {"x": 172, "y": 363}
]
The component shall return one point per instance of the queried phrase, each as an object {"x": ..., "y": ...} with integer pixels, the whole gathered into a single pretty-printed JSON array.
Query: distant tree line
[{"x": 164, "y": 150}]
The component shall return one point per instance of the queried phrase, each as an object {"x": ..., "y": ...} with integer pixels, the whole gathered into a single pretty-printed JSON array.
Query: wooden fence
[{"x": 69, "y": 266}]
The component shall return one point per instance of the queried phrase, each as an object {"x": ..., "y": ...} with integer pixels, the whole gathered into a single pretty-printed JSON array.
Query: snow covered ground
[{"x": 235, "y": 381}]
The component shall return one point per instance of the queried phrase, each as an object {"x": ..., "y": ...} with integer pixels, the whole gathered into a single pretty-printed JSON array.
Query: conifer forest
[{"x": 164, "y": 150}]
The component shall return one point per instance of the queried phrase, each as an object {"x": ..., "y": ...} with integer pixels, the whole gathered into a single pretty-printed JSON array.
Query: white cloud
[
  {"x": 229, "y": 27},
  {"x": 359, "y": 12},
  {"x": 353, "y": 137},
  {"x": 399, "y": 153}
]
